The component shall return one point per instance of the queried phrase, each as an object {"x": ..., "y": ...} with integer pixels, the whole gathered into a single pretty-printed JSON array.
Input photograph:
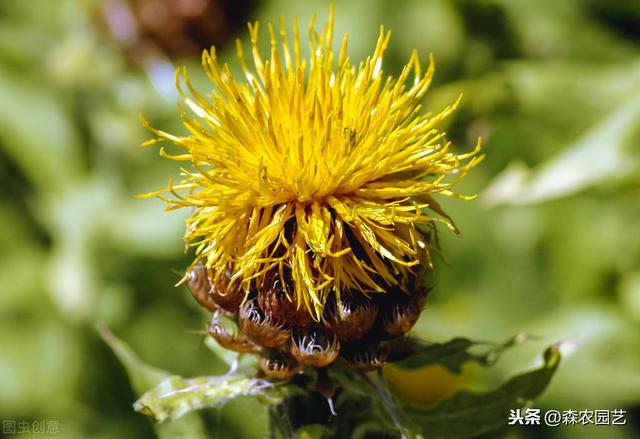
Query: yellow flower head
[{"x": 314, "y": 169}]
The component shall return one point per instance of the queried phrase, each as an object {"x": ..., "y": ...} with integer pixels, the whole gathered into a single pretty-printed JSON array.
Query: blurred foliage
[{"x": 552, "y": 246}]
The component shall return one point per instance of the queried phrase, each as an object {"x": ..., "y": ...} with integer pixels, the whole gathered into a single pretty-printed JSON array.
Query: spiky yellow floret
[{"x": 313, "y": 167}]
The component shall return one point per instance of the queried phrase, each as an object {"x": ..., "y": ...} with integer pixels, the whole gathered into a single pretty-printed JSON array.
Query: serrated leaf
[
  {"x": 467, "y": 414},
  {"x": 456, "y": 352},
  {"x": 176, "y": 396}
]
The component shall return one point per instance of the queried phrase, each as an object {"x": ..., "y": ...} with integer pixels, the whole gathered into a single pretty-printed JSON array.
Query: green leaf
[
  {"x": 371, "y": 408},
  {"x": 176, "y": 396},
  {"x": 142, "y": 377},
  {"x": 468, "y": 414},
  {"x": 456, "y": 352}
]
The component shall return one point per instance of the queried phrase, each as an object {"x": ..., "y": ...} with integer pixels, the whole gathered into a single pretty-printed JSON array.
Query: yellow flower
[{"x": 314, "y": 169}]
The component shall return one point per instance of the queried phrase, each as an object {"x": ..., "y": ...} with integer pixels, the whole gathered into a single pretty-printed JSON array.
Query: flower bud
[
  {"x": 260, "y": 327},
  {"x": 201, "y": 287},
  {"x": 365, "y": 357},
  {"x": 403, "y": 313},
  {"x": 279, "y": 365},
  {"x": 227, "y": 338},
  {"x": 351, "y": 320},
  {"x": 214, "y": 292},
  {"x": 227, "y": 295},
  {"x": 400, "y": 348},
  {"x": 273, "y": 299},
  {"x": 314, "y": 348}
]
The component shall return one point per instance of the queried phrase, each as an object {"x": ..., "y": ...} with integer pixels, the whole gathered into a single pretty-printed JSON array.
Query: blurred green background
[{"x": 551, "y": 246}]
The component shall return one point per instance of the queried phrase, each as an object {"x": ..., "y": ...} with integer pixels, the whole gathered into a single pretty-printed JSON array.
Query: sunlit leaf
[{"x": 468, "y": 414}]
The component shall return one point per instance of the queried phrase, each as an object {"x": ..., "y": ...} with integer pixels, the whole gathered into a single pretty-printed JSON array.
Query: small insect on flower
[{"x": 313, "y": 186}]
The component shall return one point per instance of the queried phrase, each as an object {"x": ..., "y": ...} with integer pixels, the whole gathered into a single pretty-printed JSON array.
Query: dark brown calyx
[
  {"x": 420, "y": 297},
  {"x": 279, "y": 365},
  {"x": 228, "y": 295},
  {"x": 400, "y": 348},
  {"x": 228, "y": 338},
  {"x": 351, "y": 320},
  {"x": 314, "y": 348},
  {"x": 260, "y": 327},
  {"x": 214, "y": 292},
  {"x": 365, "y": 356},
  {"x": 201, "y": 287},
  {"x": 403, "y": 312},
  {"x": 273, "y": 299}
]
